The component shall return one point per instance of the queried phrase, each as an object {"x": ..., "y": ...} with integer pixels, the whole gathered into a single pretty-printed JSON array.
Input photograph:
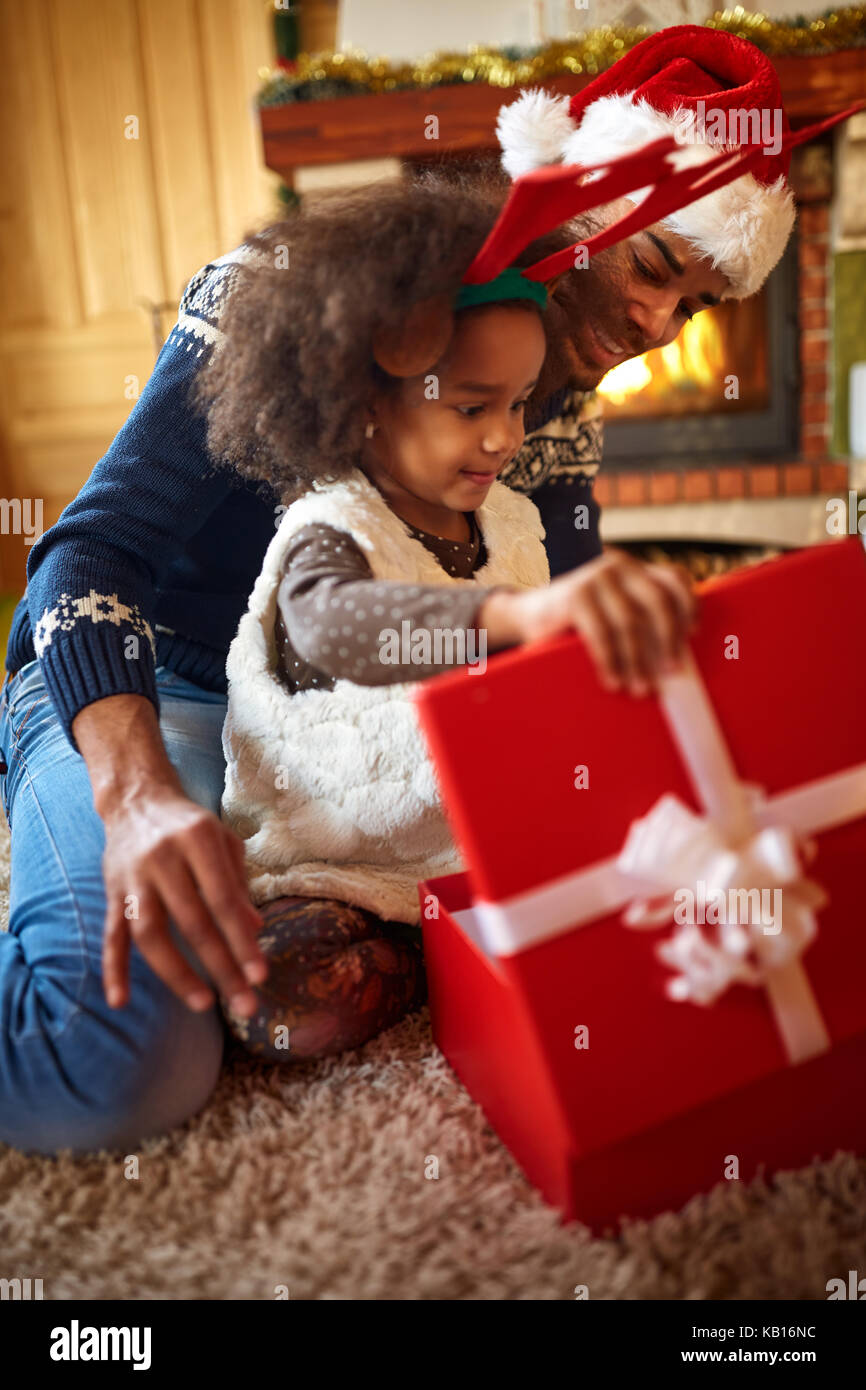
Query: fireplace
[
  {"x": 683, "y": 460},
  {"x": 725, "y": 388}
]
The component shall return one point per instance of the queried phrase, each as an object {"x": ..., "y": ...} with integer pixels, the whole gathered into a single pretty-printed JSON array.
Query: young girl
[{"x": 382, "y": 401}]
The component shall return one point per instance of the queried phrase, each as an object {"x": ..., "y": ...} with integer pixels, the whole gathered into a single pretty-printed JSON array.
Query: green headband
[{"x": 509, "y": 284}]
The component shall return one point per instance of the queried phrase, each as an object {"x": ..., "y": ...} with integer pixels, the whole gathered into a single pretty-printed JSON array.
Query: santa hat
[
  {"x": 655, "y": 91},
  {"x": 669, "y": 180}
]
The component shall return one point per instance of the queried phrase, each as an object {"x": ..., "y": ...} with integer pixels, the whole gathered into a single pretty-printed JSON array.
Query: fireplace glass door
[{"x": 725, "y": 387}]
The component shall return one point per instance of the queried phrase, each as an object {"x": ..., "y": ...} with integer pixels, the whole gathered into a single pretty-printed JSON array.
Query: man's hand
[
  {"x": 633, "y": 617},
  {"x": 165, "y": 856}
]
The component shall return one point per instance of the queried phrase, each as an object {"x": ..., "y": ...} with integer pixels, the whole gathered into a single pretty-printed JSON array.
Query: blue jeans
[{"x": 74, "y": 1073}]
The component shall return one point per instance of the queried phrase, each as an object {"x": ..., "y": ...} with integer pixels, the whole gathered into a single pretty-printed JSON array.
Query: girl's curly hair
[{"x": 285, "y": 392}]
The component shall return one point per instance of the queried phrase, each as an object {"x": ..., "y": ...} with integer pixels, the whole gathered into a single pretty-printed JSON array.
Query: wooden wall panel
[
  {"x": 94, "y": 226},
  {"x": 41, "y": 282},
  {"x": 244, "y": 189},
  {"x": 112, "y": 215},
  {"x": 178, "y": 139}
]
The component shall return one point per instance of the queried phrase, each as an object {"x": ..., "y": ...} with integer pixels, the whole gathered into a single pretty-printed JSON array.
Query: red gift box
[{"x": 616, "y": 1091}]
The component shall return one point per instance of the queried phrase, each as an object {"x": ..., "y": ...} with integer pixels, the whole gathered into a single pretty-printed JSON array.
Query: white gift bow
[
  {"x": 507, "y": 926},
  {"x": 672, "y": 849}
]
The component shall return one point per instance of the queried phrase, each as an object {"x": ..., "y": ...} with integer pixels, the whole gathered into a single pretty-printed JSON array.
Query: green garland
[{"x": 324, "y": 76}]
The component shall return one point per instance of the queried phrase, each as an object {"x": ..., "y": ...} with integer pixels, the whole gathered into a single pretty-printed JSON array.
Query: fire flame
[{"x": 694, "y": 359}]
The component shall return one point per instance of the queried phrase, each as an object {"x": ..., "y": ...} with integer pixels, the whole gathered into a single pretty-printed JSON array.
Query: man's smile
[{"x": 604, "y": 350}]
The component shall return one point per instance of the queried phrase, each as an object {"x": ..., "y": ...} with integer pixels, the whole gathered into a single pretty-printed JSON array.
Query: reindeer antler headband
[{"x": 547, "y": 198}]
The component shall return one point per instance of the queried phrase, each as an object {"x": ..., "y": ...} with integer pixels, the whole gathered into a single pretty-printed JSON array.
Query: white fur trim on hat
[
  {"x": 532, "y": 131},
  {"x": 742, "y": 228}
]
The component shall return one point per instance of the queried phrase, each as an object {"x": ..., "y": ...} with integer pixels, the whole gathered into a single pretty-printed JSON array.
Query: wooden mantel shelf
[{"x": 392, "y": 123}]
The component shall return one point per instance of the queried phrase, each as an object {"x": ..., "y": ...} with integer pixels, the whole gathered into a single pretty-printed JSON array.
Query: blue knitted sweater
[{"x": 153, "y": 561}]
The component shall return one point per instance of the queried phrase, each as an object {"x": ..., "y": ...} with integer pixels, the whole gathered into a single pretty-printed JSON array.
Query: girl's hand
[{"x": 634, "y": 617}]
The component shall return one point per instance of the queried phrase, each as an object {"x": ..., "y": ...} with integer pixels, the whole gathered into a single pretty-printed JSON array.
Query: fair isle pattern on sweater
[
  {"x": 566, "y": 448},
  {"x": 99, "y": 608},
  {"x": 204, "y": 298},
  {"x": 332, "y": 790}
]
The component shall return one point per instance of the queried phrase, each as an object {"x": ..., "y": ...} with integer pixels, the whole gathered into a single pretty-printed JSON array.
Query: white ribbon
[
  {"x": 672, "y": 848},
  {"x": 744, "y": 841}
]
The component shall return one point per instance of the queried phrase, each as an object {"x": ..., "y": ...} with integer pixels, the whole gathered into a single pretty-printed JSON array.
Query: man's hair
[{"x": 285, "y": 393}]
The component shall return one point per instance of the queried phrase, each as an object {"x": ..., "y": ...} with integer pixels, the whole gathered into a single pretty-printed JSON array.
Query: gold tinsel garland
[{"x": 322, "y": 75}]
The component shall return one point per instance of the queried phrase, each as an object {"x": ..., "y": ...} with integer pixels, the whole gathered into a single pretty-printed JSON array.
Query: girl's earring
[{"x": 370, "y": 430}]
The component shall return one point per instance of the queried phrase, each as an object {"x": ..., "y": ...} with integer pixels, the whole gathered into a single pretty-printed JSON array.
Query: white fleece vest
[{"x": 332, "y": 790}]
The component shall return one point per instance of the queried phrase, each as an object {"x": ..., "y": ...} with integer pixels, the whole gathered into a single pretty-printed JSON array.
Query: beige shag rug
[{"x": 313, "y": 1178}]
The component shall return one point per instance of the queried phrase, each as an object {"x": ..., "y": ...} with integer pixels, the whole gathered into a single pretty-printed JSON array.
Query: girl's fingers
[
  {"x": 633, "y": 617},
  {"x": 681, "y": 585},
  {"x": 591, "y": 621},
  {"x": 663, "y": 612},
  {"x": 632, "y": 632}
]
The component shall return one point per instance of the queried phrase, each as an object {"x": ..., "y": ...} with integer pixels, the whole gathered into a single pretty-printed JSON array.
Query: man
[
  {"x": 706, "y": 88},
  {"x": 111, "y": 716}
]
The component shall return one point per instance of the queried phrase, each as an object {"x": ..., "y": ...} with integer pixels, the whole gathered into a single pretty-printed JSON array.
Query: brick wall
[{"x": 815, "y": 341}]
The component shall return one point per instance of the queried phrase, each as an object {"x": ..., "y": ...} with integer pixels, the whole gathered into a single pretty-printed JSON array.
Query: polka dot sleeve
[{"x": 337, "y": 622}]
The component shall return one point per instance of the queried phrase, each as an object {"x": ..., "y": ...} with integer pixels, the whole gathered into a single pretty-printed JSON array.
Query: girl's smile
[{"x": 481, "y": 480}]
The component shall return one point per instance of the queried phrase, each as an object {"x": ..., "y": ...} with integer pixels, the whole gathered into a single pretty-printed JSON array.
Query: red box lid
[{"x": 506, "y": 742}]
